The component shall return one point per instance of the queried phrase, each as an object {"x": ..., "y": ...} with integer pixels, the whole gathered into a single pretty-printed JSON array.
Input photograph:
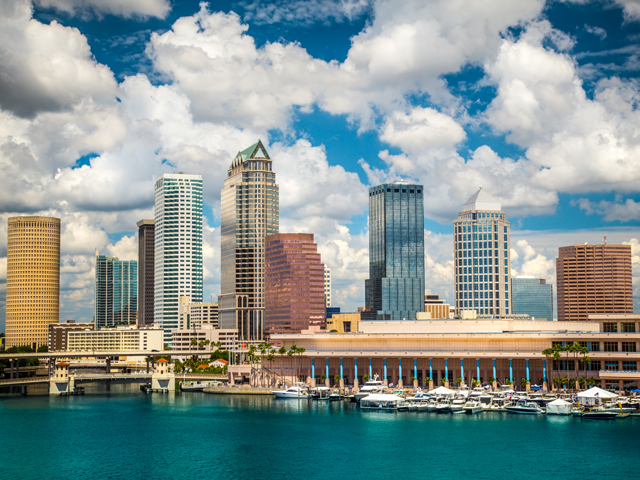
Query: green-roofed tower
[{"x": 249, "y": 212}]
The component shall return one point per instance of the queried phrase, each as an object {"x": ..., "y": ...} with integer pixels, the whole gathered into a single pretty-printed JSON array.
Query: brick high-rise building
[
  {"x": 146, "y": 245},
  {"x": 294, "y": 284},
  {"x": 593, "y": 279},
  {"x": 33, "y": 280}
]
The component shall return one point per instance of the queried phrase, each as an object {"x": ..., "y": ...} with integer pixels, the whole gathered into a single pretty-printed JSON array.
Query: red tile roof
[
  {"x": 62, "y": 364},
  {"x": 162, "y": 360}
]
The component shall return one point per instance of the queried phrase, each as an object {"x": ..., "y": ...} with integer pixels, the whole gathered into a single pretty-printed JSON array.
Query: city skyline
[{"x": 87, "y": 151}]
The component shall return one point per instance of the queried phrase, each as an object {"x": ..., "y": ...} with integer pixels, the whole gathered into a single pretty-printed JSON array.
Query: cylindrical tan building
[{"x": 33, "y": 279}]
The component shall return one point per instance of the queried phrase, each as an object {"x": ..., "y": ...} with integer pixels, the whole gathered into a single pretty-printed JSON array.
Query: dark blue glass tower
[{"x": 395, "y": 288}]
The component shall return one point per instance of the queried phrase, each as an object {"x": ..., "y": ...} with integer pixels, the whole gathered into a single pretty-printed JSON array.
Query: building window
[
  {"x": 629, "y": 327},
  {"x": 595, "y": 347},
  {"x": 628, "y": 346},
  {"x": 610, "y": 327},
  {"x": 610, "y": 346},
  {"x": 611, "y": 366},
  {"x": 629, "y": 366},
  {"x": 595, "y": 365}
]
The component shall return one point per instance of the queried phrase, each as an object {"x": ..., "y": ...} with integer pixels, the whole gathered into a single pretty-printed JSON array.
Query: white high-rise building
[
  {"x": 178, "y": 246},
  {"x": 481, "y": 243},
  {"x": 327, "y": 286}
]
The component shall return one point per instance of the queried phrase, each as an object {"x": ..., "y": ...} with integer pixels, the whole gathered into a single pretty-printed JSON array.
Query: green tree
[
  {"x": 43, "y": 349},
  {"x": 194, "y": 342},
  {"x": 523, "y": 383},
  {"x": 281, "y": 351}
]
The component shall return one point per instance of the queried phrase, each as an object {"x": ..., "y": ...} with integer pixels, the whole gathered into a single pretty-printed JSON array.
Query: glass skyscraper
[
  {"x": 482, "y": 257},
  {"x": 395, "y": 288},
  {"x": 249, "y": 212},
  {"x": 178, "y": 246},
  {"x": 116, "y": 292},
  {"x": 532, "y": 296}
]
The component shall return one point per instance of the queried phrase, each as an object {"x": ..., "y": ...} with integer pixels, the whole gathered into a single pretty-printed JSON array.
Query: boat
[
  {"x": 293, "y": 392},
  {"x": 457, "y": 404},
  {"x": 320, "y": 393},
  {"x": 524, "y": 407},
  {"x": 422, "y": 407},
  {"x": 485, "y": 401},
  {"x": 335, "y": 395},
  {"x": 381, "y": 402},
  {"x": 596, "y": 414},
  {"x": 371, "y": 386},
  {"x": 473, "y": 406},
  {"x": 443, "y": 406},
  {"x": 432, "y": 405}
]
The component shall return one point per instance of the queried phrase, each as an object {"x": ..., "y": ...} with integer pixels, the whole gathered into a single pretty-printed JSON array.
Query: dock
[{"x": 237, "y": 391}]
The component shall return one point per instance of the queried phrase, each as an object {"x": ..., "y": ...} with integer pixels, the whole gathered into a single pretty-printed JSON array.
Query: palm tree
[
  {"x": 194, "y": 342},
  {"x": 290, "y": 353},
  {"x": 523, "y": 383},
  {"x": 585, "y": 358},
  {"x": 207, "y": 342},
  {"x": 300, "y": 351},
  {"x": 281, "y": 351},
  {"x": 547, "y": 352},
  {"x": 270, "y": 356}
]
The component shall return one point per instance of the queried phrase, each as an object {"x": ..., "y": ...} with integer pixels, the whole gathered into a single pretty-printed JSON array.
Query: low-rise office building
[
  {"x": 478, "y": 349},
  {"x": 58, "y": 333},
  {"x": 343, "y": 322},
  {"x": 119, "y": 338}
]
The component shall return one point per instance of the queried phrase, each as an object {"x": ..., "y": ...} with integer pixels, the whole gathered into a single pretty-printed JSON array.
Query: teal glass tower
[
  {"x": 116, "y": 299},
  {"x": 532, "y": 296},
  {"x": 395, "y": 288}
]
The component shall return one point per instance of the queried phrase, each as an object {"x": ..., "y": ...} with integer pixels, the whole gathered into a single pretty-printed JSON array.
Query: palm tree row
[{"x": 555, "y": 353}]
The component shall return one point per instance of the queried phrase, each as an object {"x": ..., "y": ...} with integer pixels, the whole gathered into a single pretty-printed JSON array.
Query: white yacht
[
  {"x": 371, "y": 386},
  {"x": 294, "y": 391},
  {"x": 522, "y": 406},
  {"x": 473, "y": 406},
  {"x": 444, "y": 405},
  {"x": 457, "y": 404}
]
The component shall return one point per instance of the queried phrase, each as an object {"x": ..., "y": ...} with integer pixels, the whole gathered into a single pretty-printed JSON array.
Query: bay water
[{"x": 130, "y": 435}]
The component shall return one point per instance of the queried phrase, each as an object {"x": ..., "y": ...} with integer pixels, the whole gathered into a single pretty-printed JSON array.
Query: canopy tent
[
  {"x": 442, "y": 391},
  {"x": 594, "y": 396},
  {"x": 559, "y": 407},
  {"x": 382, "y": 397},
  {"x": 635, "y": 391}
]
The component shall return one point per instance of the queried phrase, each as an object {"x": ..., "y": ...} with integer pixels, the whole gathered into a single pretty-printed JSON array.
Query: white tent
[
  {"x": 559, "y": 407},
  {"x": 594, "y": 395},
  {"x": 442, "y": 391}
]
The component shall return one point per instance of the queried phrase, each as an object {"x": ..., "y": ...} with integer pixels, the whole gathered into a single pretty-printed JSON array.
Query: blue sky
[{"x": 537, "y": 102}]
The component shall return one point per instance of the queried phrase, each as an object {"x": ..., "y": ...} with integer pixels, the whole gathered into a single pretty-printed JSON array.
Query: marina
[{"x": 249, "y": 426}]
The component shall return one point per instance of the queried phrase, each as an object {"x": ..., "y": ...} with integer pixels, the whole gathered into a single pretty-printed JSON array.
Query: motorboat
[
  {"x": 457, "y": 404},
  {"x": 485, "y": 401},
  {"x": 381, "y": 402},
  {"x": 432, "y": 405},
  {"x": 443, "y": 406},
  {"x": 371, "y": 386},
  {"x": 196, "y": 386},
  {"x": 320, "y": 393},
  {"x": 422, "y": 407},
  {"x": 336, "y": 395},
  {"x": 596, "y": 413},
  {"x": 524, "y": 407},
  {"x": 293, "y": 392},
  {"x": 473, "y": 406}
]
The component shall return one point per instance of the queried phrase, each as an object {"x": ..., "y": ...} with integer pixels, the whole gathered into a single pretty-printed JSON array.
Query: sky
[{"x": 535, "y": 101}]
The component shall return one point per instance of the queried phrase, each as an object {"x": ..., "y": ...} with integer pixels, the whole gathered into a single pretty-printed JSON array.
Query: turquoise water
[{"x": 196, "y": 435}]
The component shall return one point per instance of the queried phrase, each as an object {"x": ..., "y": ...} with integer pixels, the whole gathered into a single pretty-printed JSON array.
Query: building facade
[
  {"x": 146, "y": 272},
  {"x": 532, "y": 296},
  {"x": 178, "y": 246},
  {"x": 327, "y": 286},
  {"x": 343, "y": 322},
  {"x": 116, "y": 339},
  {"x": 33, "y": 280},
  {"x": 482, "y": 258},
  {"x": 395, "y": 288},
  {"x": 249, "y": 212},
  {"x": 205, "y": 314},
  {"x": 483, "y": 349},
  {"x": 294, "y": 284},
  {"x": 436, "y": 307},
  {"x": 58, "y": 333},
  {"x": 593, "y": 279},
  {"x": 116, "y": 291}
]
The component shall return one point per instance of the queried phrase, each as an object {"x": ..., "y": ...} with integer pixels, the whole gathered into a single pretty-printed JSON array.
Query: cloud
[
  {"x": 125, "y": 249},
  {"x": 304, "y": 12},
  {"x": 612, "y": 211},
  {"x": 122, "y": 8},
  {"x": 46, "y": 67},
  {"x": 421, "y": 129},
  {"x": 597, "y": 31}
]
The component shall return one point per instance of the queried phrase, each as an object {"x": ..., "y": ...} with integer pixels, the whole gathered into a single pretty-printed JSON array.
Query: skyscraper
[
  {"x": 327, "y": 286},
  {"x": 532, "y": 296},
  {"x": 146, "y": 247},
  {"x": 33, "y": 280},
  {"x": 593, "y": 279},
  {"x": 395, "y": 288},
  {"x": 116, "y": 292},
  {"x": 482, "y": 256},
  {"x": 178, "y": 246},
  {"x": 294, "y": 284},
  {"x": 249, "y": 212}
]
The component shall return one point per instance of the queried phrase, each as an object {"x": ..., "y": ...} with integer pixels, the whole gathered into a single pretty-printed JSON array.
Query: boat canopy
[
  {"x": 559, "y": 402},
  {"x": 442, "y": 391},
  {"x": 596, "y": 392},
  {"x": 382, "y": 397}
]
